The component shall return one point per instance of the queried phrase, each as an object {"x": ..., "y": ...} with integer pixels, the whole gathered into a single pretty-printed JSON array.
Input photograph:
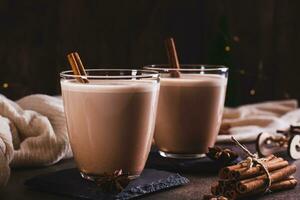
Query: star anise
[
  {"x": 115, "y": 182},
  {"x": 223, "y": 155}
]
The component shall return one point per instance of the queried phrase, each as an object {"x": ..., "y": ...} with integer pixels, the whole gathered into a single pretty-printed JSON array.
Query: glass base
[
  {"x": 97, "y": 177},
  {"x": 182, "y": 155}
]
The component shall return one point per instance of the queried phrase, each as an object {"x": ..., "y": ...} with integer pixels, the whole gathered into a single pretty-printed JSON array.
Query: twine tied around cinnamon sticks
[{"x": 253, "y": 159}]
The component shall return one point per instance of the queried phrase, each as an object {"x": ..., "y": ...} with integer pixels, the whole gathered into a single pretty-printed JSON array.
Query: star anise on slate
[
  {"x": 223, "y": 155},
  {"x": 115, "y": 182}
]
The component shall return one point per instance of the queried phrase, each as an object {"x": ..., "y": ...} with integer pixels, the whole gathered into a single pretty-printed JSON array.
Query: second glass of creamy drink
[
  {"x": 190, "y": 109},
  {"x": 110, "y": 119}
]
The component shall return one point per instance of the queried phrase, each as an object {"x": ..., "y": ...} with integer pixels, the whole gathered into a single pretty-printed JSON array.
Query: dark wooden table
[{"x": 199, "y": 185}]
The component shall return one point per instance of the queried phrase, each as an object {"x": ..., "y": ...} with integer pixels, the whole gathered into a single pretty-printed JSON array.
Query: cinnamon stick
[
  {"x": 257, "y": 170},
  {"x": 289, "y": 183},
  {"x": 80, "y": 65},
  {"x": 253, "y": 184},
  {"x": 224, "y": 172},
  {"x": 227, "y": 184},
  {"x": 173, "y": 58},
  {"x": 233, "y": 194},
  {"x": 77, "y": 67}
]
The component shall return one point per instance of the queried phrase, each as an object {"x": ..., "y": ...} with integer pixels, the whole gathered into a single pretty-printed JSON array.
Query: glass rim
[
  {"x": 147, "y": 74},
  {"x": 190, "y": 68}
]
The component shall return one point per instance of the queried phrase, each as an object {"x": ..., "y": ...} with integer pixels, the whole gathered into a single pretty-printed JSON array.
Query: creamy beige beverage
[
  {"x": 189, "y": 113},
  {"x": 110, "y": 124}
]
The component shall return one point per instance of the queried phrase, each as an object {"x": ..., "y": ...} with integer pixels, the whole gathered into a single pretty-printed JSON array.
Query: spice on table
[
  {"x": 223, "y": 155},
  {"x": 115, "y": 182}
]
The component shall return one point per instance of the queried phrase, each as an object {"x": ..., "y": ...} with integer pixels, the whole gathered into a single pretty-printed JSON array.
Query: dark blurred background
[{"x": 258, "y": 40}]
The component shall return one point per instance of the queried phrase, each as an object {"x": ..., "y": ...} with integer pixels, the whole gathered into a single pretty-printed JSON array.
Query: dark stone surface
[
  {"x": 199, "y": 185},
  {"x": 68, "y": 182}
]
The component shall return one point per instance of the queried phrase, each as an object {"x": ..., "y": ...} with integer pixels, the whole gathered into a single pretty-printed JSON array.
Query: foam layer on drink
[
  {"x": 109, "y": 86},
  {"x": 110, "y": 124},
  {"x": 198, "y": 80},
  {"x": 189, "y": 113}
]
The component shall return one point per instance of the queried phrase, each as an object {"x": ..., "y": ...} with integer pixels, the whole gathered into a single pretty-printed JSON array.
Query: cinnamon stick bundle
[{"x": 238, "y": 181}]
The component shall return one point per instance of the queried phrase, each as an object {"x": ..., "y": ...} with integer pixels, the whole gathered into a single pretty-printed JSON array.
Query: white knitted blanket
[
  {"x": 247, "y": 121},
  {"x": 32, "y": 133}
]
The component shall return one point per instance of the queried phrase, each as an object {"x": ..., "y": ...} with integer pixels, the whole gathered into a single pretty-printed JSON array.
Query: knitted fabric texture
[{"x": 33, "y": 132}]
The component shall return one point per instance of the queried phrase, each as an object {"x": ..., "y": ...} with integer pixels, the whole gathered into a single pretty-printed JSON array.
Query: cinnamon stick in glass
[
  {"x": 173, "y": 58},
  {"x": 77, "y": 67}
]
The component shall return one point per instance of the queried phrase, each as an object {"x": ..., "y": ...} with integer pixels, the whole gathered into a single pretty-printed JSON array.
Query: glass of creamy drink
[
  {"x": 110, "y": 119},
  {"x": 189, "y": 109}
]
